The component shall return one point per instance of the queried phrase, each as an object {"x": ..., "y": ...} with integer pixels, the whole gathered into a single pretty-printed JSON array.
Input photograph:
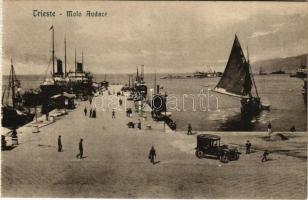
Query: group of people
[
  {"x": 264, "y": 155},
  {"x": 92, "y": 113},
  {"x": 152, "y": 153}
]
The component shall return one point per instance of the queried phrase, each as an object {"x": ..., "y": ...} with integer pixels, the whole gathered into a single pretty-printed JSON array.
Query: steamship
[{"x": 78, "y": 81}]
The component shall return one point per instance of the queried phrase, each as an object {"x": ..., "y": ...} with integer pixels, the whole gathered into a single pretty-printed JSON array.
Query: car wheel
[
  {"x": 199, "y": 154},
  {"x": 224, "y": 158}
]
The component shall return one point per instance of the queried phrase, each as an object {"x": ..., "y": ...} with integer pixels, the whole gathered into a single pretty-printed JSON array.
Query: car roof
[{"x": 209, "y": 136}]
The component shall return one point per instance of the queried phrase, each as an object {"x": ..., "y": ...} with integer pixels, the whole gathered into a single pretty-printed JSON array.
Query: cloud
[{"x": 164, "y": 36}]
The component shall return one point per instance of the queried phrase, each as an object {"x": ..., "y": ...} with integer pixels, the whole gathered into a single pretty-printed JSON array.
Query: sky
[{"x": 166, "y": 37}]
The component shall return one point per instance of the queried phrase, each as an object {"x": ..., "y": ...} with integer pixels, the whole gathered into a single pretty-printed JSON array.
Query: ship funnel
[
  {"x": 79, "y": 67},
  {"x": 59, "y": 67}
]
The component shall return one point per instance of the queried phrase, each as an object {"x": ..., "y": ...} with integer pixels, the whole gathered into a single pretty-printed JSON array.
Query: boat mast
[
  {"x": 75, "y": 63},
  {"x": 251, "y": 74},
  {"x": 64, "y": 56},
  {"x": 82, "y": 64},
  {"x": 12, "y": 84},
  {"x": 53, "y": 52},
  {"x": 129, "y": 80},
  {"x": 155, "y": 83}
]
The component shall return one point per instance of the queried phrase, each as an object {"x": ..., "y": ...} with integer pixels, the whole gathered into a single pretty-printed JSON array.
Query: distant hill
[{"x": 289, "y": 64}]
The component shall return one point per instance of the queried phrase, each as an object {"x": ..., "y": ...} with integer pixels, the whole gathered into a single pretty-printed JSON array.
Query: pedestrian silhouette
[
  {"x": 248, "y": 146},
  {"x": 80, "y": 154},
  {"x": 269, "y": 128},
  {"x": 59, "y": 144},
  {"x": 113, "y": 114},
  {"x": 139, "y": 124},
  {"x": 264, "y": 157},
  {"x": 3, "y": 142},
  {"x": 90, "y": 113},
  {"x": 94, "y": 114},
  {"x": 85, "y": 111},
  {"x": 152, "y": 155},
  {"x": 189, "y": 132}
]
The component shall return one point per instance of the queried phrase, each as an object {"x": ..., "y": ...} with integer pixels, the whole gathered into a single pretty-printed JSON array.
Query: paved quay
[{"x": 116, "y": 162}]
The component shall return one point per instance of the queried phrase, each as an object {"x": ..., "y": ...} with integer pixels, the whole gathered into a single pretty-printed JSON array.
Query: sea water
[{"x": 192, "y": 101}]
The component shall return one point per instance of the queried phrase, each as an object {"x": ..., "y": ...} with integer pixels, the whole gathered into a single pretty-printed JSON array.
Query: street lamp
[{"x": 165, "y": 102}]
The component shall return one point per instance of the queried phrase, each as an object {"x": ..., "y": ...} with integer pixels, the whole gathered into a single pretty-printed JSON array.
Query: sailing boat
[
  {"x": 14, "y": 115},
  {"x": 237, "y": 81}
]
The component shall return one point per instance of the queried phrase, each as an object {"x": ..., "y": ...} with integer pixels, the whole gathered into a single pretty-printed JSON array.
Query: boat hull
[{"x": 13, "y": 118}]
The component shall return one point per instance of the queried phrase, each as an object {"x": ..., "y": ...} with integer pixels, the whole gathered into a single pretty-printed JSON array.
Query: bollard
[
  {"x": 15, "y": 141},
  {"x": 53, "y": 119},
  {"x": 35, "y": 129}
]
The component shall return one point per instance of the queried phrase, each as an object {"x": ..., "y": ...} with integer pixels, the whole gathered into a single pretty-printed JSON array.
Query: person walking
[
  {"x": 189, "y": 131},
  {"x": 80, "y": 154},
  {"x": 113, "y": 114},
  {"x": 94, "y": 113},
  {"x": 269, "y": 128},
  {"x": 264, "y": 157},
  {"x": 139, "y": 124},
  {"x": 85, "y": 111},
  {"x": 59, "y": 144},
  {"x": 248, "y": 146},
  {"x": 120, "y": 102},
  {"x": 152, "y": 155},
  {"x": 90, "y": 114},
  {"x": 3, "y": 142}
]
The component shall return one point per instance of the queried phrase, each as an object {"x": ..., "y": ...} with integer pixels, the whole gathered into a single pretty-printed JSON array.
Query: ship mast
[
  {"x": 82, "y": 64},
  {"x": 75, "y": 63},
  {"x": 155, "y": 90},
  {"x": 12, "y": 84},
  {"x": 53, "y": 51},
  {"x": 129, "y": 80},
  {"x": 251, "y": 74},
  {"x": 64, "y": 56}
]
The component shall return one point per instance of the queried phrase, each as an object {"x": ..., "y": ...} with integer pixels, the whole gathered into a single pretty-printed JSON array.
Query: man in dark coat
[
  {"x": 152, "y": 155},
  {"x": 264, "y": 157},
  {"x": 80, "y": 149},
  {"x": 94, "y": 114},
  {"x": 90, "y": 115},
  {"x": 85, "y": 111},
  {"x": 139, "y": 124},
  {"x": 189, "y": 132},
  {"x": 59, "y": 144},
  {"x": 113, "y": 114},
  {"x": 248, "y": 146},
  {"x": 269, "y": 128}
]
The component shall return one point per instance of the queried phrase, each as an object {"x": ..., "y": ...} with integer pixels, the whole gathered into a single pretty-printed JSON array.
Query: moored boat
[
  {"x": 238, "y": 81},
  {"x": 14, "y": 114}
]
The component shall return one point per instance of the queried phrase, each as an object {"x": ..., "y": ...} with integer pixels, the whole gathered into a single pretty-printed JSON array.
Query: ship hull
[
  {"x": 12, "y": 118},
  {"x": 250, "y": 108}
]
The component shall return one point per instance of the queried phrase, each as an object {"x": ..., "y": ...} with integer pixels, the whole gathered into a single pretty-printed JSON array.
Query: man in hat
[
  {"x": 152, "y": 155},
  {"x": 59, "y": 144},
  {"x": 80, "y": 149},
  {"x": 248, "y": 146}
]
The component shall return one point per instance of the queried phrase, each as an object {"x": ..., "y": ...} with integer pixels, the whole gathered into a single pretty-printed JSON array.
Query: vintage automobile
[{"x": 209, "y": 145}]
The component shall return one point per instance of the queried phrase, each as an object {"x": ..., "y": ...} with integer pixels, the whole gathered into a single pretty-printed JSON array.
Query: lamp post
[
  {"x": 165, "y": 110},
  {"x": 151, "y": 97}
]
